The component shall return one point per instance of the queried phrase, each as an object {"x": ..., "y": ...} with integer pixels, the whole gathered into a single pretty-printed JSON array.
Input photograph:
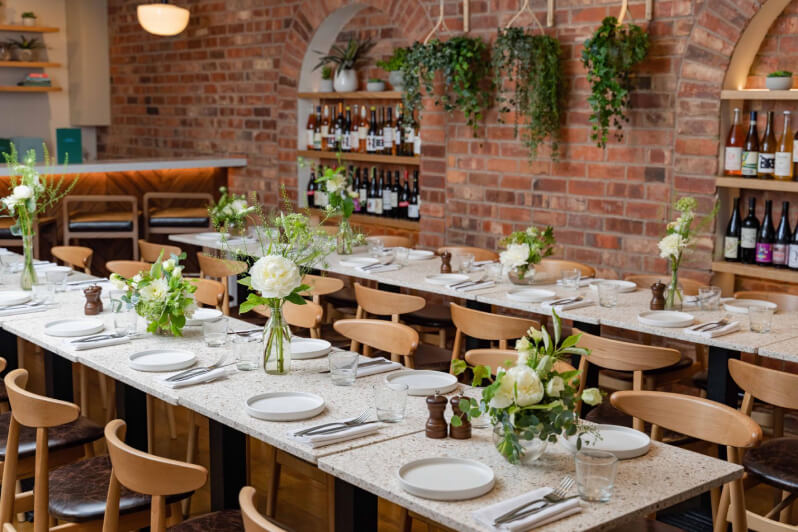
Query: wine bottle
[
  {"x": 399, "y": 131},
  {"x": 416, "y": 142},
  {"x": 346, "y": 138},
  {"x": 363, "y": 131},
  {"x": 311, "y": 190},
  {"x": 395, "y": 195},
  {"x": 310, "y": 130},
  {"x": 321, "y": 193},
  {"x": 413, "y": 207},
  {"x": 363, "y": 190},
  {"x": 379, "y": 139},
  {"x": 372, "y": 194},
  {"x": 407, "y": 142},
  {"x": 317, "y": 130},
  {"x": 792, "y": 259},
  {"x": 783, "y": 234},
  {"x": 356, "y": 187},
  {"x": 378, "y": 206},
  {"x": 371, "y": 139},
  {"x": 732, "y": 161},
  {"x": 404, "y": 199},
  {"x": 767, "y": 151},
  {"x": 387, "y": 197},
  {"x": 731, "y": 242},
  {"x": 751, "y": 148},
  {"x": 782, "y": 167},
  {"x": 354, "y": 133},
  {"x": 766, "y": 237},
  {"x": 339, "y": 128},
  {"x": 325, "y": 129},
  {"x": 387, "y": 133},
  {"x": 748, "y": 234}
]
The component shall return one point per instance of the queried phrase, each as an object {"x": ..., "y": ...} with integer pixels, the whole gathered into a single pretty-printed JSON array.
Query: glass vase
[
  {"x": 520, "y": 277},
  {"x": 673, "y": 295},
  {"x": 27, "y": 277},
  {"x": 532, "y": 449},
  {"x": 344, "y": 238},
  {"x": 276, "y": 343}
]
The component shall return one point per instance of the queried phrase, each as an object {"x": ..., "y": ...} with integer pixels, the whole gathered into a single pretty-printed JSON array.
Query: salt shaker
[
  {"x": 436, "y": 426},
  {"x": 657, "y": 296},
  {"x": 94, "y": 304},
  {"x": 446, "y": 262},
  {"x": 463, "y": 432}
]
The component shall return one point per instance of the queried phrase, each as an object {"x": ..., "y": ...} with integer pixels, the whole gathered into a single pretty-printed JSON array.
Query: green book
[{"x": 69, "y": 145}]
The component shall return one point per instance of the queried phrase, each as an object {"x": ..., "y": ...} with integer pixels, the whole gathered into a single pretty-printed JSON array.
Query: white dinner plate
[
  {"x": 623, "y": 442},
  {"x": 740, "y": 306},
  {"x": 665, "y": 318},
  {"x": 620, "y": 286},
  {"x": 446, "y": 479},
  {"x": 304, "y": 348},
  {"x": 530, "y": 295},
  {"x": 355, "y": 262},
  {"x": 284, "y": 406},
  {"x": 14, "y": 297},
  {"x": 204, "y": 314},
  {"x": 446, "y": 278},
  {"x": 423, "y": 382},
  {"x": 210, "y": 236},
  {"x": 162, "y": 360},
  {"x": 420, "y": 254},
  {"x": 74, "y": 327}
]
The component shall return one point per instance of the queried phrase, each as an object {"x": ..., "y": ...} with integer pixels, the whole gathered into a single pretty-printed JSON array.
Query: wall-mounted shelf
[
  {"x": 758, "y": 272},
  {"x": 27, "y": 29},
  {"x": 759, "y": 94},
  {"x": 756, "y": 184},
  {"x": 360, "y": 157},
  {"x": 28, "y": 64},
  {"x": 16, "y": 88},
  {"x": 359, "y": 95}
]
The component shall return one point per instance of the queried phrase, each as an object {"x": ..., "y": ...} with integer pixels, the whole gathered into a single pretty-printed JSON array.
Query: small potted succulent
[
  {"x": 28, "y": 18},
  {"x": 780, "y": 80},
  {"x": 375, "y": 85},
  {"x": 393, "y": 67},
  {"x": 346, "y": 59},
  {"x": 25, "y": 49}
]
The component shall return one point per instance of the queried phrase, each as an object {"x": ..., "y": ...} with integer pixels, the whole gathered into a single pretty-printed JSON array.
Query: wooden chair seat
[
  {"x": 775, "y": 462},
  {"x": 74, "y": 434},
  {"x": 684, "y": 363},
  {"x": 606, "y": 414},
  {"x": 180, "y": 217},
  {"x": 434, "y": 315},
  {"x": 215, "y": 522},
  {"x": 101, "y": 221}
]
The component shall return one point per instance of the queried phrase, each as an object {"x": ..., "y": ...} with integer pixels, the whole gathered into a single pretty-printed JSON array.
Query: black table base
[
  {"x": 355, "y": 508},
  {"x": 228, "y": 473},
  {"x": 131, "y": 405}
]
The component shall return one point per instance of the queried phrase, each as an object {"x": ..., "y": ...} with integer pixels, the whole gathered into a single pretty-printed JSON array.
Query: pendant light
[{"x": 162, "y": 18}]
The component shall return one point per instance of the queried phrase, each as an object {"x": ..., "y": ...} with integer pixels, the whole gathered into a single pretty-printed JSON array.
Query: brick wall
[{"x": 228, "y": 85}]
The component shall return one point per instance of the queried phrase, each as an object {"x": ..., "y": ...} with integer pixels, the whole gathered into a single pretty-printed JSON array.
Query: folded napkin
[
  {"x": 582, "y": 282},
  {"x": 38, "y": 265},
  {"x": 23, "y": 310},
  {"x": 729, "y": 328},
  {"x": 486, "y": 516},
  {"x": 81, "y": 285},
  {"x": 203, "y": 378},
  {"x": 83, "y": 346},
  {"x": 478, "y": 286},
  {"x": 376, "y": 368},
  {"x": 380, "y": 269},
  {"x": 568, "y": 306},
  {"x": 320, "y": 440}
]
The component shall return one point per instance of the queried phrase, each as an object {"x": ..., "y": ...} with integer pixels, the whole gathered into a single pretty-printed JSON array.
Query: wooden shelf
[
  {"x": 759, "y": 94},
  {"x": 359, "y": 95},
  {"x": 378, "y": 221},
  {"x": 758, "y": 272},
  {"x": 28, "y": 64},
  {"x": 361, "y": 157},
  {"x": 16, "y": 88},
  {"x": 756, "y": 184},
  {"x": 28, "y": 29}
]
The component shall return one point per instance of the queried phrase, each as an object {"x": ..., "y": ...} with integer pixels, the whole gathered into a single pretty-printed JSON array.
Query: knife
[{"x": 377, "y": 362}]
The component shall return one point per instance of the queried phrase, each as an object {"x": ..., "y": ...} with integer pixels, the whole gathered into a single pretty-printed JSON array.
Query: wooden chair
[
  {"x": 127, "y": 268},
  {"x": 690, "y": 286},
  {"x": 392, "y": 241},
  {"x": 786, "y": 302},
  {"x": 161, "y": 216},
  {"x": 74, "y": 256},
  {"x": 320, "y": 287},
  {"x": 307, "y": 316},
  {"x": 113, "y": 223},
  {"x": 702, "y": 419},
  {"x": 209, "y": 293},
  {"x": 11, "y": 241},
  {"x": 220, "y": 269},
  {"x": 160, "y": 479},
  {"x": 772, "y": 463},
  {"x": 150, "y": 251},
  {"x": 253, "y": 521},
  {"x": 480, "y": 254},
  {"x": 555, "y": 267}
]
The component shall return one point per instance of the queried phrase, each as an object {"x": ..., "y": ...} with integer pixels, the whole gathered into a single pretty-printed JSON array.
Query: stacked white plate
[
  {"x": 423, "y": 382},
  {"x": 665, "y": 318},
  {"x": 442, "y": 279},
  {"x": 530, "y": 295},
  {"x": 161, "y": 360},
  {"x": 284, "y": 406},
  {"x": 358, "y": 262},
  {"x": 14, "y": 297},
  {"x": 304, "y": 348},
  {"x": 623, "y": 442},
  {"x": 446, "y": 479},
  {"x": 204, "y": 314},
  {"x": 740, "y": 306},
  {"x": 74, "y": 327},
  {"x": 620, "y": 286},
  {"x": 420, "y": 254}
]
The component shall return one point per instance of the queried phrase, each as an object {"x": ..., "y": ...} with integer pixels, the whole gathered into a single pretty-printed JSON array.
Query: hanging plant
[
  {"x": 608, "y": 57},
  {"x": 530, "y": 64},
  {"x": 462, "y": 62}
]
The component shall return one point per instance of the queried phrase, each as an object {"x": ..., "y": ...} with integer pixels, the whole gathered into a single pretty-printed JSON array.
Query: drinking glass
[
  {"x": 215, "y": 332},
  {"x": 570, "y": 278},
  {"x": 709, "y": 297},
  {"x": 248, "y": 351},
  {"x": 343, "y": 367},
  {"x": 390, "y": 401},
  {"x": 494, "y": 271},
  {"x": 483, "y": 421},
  {"x": 376, "y": 247},
  {"x": 43, "y": 293},
  {"x": 463, "y": 262},
  {"x": 58, "y": 279},
  {"x": 386, "y": 256},
  {"x": 760, "y": 319},
  {"x": 607, "y": 294},
  {"x": 595, "y": 475},
  {"x": 402, "y": 256},
  {"x": 124, "y": 317}
]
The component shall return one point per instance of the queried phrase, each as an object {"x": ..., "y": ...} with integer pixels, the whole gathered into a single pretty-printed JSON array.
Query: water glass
[
  {"x": 44, "y": 293},
  {"x": 248, "y": 351},
  {"x": 463, "y": 262},
  {"x": 482, "y": 421},
  {"x": 607, "y": 294},
  {"x": 57, "y": 278},
  {"x": 376, "y": 247},
  {"x": 215, "y": 332},
  {"x": 595, "y": 475},
  {"x": 402, "y": 256},
  {"x": 343, "y": 367},
  {"x": 759, "y": 319},
  {"x": 570, "y": 278},
  {"x": 494, "y": 271},
  {"x": 709, "y": 297},
  {"x": 124, "y": 317},
  {"x": 390, "y": 401}
]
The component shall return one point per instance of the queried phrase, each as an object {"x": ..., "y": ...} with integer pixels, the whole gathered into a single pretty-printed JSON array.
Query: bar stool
[
  {"x": 74, "y": 256},
  {"x": 127, "y": 268},
  {"x": 221, "y": 270},
  {"x": 161, "y": 217},
  {"x": 109, "y": 224},
  {"x": 150, "y": 251}
]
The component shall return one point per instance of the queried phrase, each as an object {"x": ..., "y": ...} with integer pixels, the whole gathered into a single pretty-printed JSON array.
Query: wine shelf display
[
  {"x": 378, "y": 221},
  {"x": 759, "y": 94},
  {"x": 17, "y": 88},
  {"x": 28, "y": 64},
  {"x": 357, "y": 95},
  {"x": 27, "y": 29},
  {"x": 756, "y": 184},
  {"x": 759, "y": 272},
  {"x": 361, "y": 157}
]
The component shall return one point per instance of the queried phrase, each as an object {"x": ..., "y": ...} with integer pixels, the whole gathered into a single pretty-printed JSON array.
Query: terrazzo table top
[
  {"x": 665, "y": 476},
  {"x": 785, "y": 350}
]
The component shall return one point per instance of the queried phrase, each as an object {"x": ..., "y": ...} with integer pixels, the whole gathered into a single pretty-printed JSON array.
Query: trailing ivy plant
[
  {"x": 463, "y": 64},
  {"x": 530, "y": 64},
  {"x": 608, "y": 57}
]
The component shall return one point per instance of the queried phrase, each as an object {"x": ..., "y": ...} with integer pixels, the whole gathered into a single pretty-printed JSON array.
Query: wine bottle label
[
  {"x": 792, "y": 261},
  {"x": 345, "y": 143},
  {"x": 730, "y": 245},
  {"x": 394, "y": 199},
  {"x": 379, "y": 143},
  {"x": 783, "y": 163},
  {"x": 404, "y": 204},
  {"x": 795, "y": 152},
  {"x": 748, "y": 238},
  {"x": 370, "y": 143},
  {"x": 779, "y": 253},
  {"x": 311, "y": 138},
  {"x": 325, "y": 131},
  {"x": 417, "y": 145},
  {"x": 734, "y": 159},
  {"x": 363, "y": 196},
  {"x": 386, "y": 200},
  {"x": 767, "y": 163},
  {"x": 377, "y": 205},
  {"x": 412, "y": 210},
  {"x": 388, "y": 137},
  {"x": 764, "y": 253},
  {"x": 317, "y": 141},
  {"x": 363, "y": 133},
  {"x": 354, "y": 140},
  {"x": 750, "y": 160},
  {"x": 370, "y": 205}
]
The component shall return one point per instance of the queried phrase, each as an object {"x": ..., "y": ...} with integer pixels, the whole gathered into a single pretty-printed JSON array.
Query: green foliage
[
  {"x": 780, "y": 74},
  {"x": 23, "y": 43},
  {"x": 231, "y": 211},
  {"x": 374, "y": 80},
  {"x": 346, "y": 57},
  {"x": 464, "y": 67},
  {"x": 28, "y": 14},
  {"x": 540, "y": 244},
  {"x": 395, "y": 62},
  {"x": 530, "y": 65},
  {"x": 326, "y": 72},
  {"x": 608, "y": 56}
]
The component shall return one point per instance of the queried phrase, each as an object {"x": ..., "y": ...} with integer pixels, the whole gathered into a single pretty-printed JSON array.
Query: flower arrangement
[
  {"x": 231, "y": 211},
  {"x": 531, "y": 400},
  {"x": 162, "y": 296},
  {"x": 526, "y": 248},
  {"x": 31, "y": 195}
]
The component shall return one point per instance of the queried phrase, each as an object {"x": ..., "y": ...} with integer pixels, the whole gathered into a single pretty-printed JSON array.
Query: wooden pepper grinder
[
  {"x": 658, "y": 296},
  {"x": 94, "y": 304},
  {"x": 446, "y": 262},
  {"x": 436, "y": 424},
  {"x": 463, "y": 432}
]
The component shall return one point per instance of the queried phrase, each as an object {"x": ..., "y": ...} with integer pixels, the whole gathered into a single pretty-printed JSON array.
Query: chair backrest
[
  {"x": 555, "y": 267},
  {"x": 75, "y": 256},
  {"x": 689, "y": 286},
  {"x": 321, "y": 286},
  {"x": 209, "y": 292},
  {"x": 392, "y": 241},
  {"x": 501, "y": 358},
  {"x": 145, "y": 473},
  {"x": 127, "y": 268},
  {"x": 253, "y": 520},
  {"x": 33, "y": 410},
  {"x": 381, "y": 303},
  {"x": 220, "y": 269},
  {"x": 150, "y": 251},
  {"x": 786, "y": 302},
  {"x": 479, "y": 253},
  {"x": 307, "y": 316},
  {"x": 394, "y": 338},
  {"x": 772, "y": 386},
  {"x": 486, "y": 326}
]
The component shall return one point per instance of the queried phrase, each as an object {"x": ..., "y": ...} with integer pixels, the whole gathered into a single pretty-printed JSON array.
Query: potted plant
[
  {"x": 26, "y": 49},
  {"x": 523, "y": 250},
  {"x": 28, "y": 18},
  {"x": 326, "y": 84},
  {"x": 346, "y": 60},
  {"x": 609, "y": 56},
  {"x": 393, "y": 66},
  {"x": 780, "y": 80},
  {"x": 375, "y": 85}
]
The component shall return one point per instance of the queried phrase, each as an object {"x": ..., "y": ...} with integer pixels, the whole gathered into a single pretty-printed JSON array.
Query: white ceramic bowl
[
  {"x": 778, "y": 84},
  {"x": 375, "y": 86}
]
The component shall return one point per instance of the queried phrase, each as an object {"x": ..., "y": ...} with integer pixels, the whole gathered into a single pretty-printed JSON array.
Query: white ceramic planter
[
  {"x": 25, "y": 54},
  {"x": 396, "y": 80},
  {"x": 27, "y": 21},
  {"x": 778, "y": 84},
  {"x": 375, "y": 86},
  {"x": 326, "y": 85},
  {"x": 345, "y": 80}
]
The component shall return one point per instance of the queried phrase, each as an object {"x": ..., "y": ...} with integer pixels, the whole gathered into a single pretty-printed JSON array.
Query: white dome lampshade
[{"x": 162, "y": 18}]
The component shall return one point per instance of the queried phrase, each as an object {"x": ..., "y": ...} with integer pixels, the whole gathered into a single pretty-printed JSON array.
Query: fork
[
  {"x": 193, "y": 372},
  {"x": 566, "y": 300},
  {"x": 712, "y": 325},
  {"x": 351, "y": 423},
  {"x": 558, "y": 495}
]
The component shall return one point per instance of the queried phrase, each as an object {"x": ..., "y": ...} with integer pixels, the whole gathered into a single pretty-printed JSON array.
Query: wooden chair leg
[
  {"x": 175, "y": 514},
  {"x": 20, "y": 516},
  {"x": 778, "y": 422},
  {"x": 721, "y": 522}
]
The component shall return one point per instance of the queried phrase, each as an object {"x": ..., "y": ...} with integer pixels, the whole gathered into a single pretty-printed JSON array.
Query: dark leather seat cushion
[
  {"x": 775, "y": 462},
  {"x": 224, "y": 521},
  {"x": 78, "y": 492},
  {"x": 81, "y": 431},
  {"x": 5, "y": 233},
  {"x": 179, "y": 222},
  {"x": 101, "y": 225},
  {"x": 180, "y": 217},
  {"x": 606, "y": 414},
  {"x": 434, "y": 315}
]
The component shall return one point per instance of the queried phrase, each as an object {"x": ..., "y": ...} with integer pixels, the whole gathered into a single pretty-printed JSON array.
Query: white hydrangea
[
  {"x": 23, "y": 192},
  {"x": 157, "y": 290},
  {"x": 515, "y": 255},
  {"x": 528, "y": 388},
  {"x": 274, "y": 276}
]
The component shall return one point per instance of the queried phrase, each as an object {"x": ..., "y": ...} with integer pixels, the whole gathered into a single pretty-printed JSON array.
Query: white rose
[
  {"x": 239, "y": 205},
  {"x": 505, "y": 395},
  {"x": 178, "y": 271},
  {"x": 22, "y": 192},
  {"x": 591, "y": 396},
  {"x": 336, "y": 183},
  {"x": 169, "y": 265},
  {"x": 10, "y": 202},
  {"x": 555, "y": 386},
  {"x": 671, "y": 245},
  {"x": 274, "y": 276},
  {"x": 515, "y": 255},
  {"x": 157, "y": 290},
  {"x": 529, "y": 389},
  {"x": 117, "y": 281}
]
